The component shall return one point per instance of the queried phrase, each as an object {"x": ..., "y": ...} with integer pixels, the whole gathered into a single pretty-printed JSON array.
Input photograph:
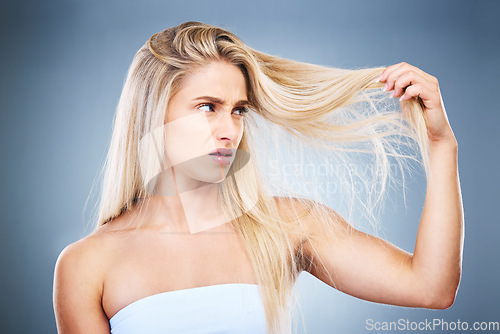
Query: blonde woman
[{"x": 190, "y": 238}]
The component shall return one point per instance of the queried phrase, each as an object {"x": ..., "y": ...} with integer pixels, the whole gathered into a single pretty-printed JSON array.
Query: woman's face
[{"x": 204, "y": 122}]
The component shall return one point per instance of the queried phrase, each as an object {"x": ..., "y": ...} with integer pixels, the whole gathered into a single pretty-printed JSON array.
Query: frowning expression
[{"x": 205, "y": 121}]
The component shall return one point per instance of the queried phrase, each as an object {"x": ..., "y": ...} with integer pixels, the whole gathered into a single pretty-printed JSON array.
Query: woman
[{"x": 188, "y": 237}]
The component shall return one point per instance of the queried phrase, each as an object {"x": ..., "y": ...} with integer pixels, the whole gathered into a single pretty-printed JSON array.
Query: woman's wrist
[{"x": 444, "y": 144}]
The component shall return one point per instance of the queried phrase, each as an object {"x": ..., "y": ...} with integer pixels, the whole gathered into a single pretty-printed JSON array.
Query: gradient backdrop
[{"x": 63, "y": 64}]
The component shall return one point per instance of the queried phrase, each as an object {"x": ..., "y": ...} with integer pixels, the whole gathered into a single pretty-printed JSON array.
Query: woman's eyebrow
[{"x": 219, "y": 101}]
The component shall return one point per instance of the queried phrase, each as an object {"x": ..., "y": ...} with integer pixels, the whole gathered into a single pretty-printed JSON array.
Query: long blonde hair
[{"x": 318, "y": 106}]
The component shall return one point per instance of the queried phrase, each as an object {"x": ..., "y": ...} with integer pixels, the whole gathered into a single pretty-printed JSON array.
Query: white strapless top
[{"x": 222, "y": 308}]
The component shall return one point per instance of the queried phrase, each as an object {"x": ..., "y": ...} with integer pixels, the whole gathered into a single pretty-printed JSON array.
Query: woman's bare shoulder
[
  {"x": 313, "y": 216},
  {"x": 94, "y": 251},
  {"x": 295, "y": 211},
  {"x": 78, "y": 285},
  {"x": 301, "y": 205},
  {"x": 82, "y": 256},
  {"x": 294, "y": 205}
]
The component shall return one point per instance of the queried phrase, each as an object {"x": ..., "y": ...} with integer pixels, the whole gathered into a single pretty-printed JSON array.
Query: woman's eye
[
  {"x": 241, "y": 111},
  {"x": 206, "y": 107}
]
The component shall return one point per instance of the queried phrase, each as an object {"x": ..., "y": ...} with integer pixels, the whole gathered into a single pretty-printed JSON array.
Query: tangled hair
[{"x": 298, "y": 111}]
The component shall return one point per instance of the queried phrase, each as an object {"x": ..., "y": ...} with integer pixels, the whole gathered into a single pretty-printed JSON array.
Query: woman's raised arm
[
  {"x": 438, "y": 250},
  {"x": 373, "y": 269}
]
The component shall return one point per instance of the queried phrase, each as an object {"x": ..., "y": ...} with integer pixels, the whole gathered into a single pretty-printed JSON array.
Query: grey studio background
[{"x": 63, "y": 64}]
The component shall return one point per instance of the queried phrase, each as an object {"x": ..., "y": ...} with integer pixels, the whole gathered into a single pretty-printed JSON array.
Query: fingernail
[
  {"x": 392, "y": 94},
  {"x": 401, "y": 98},
  {"x": 386, "y": 86}
]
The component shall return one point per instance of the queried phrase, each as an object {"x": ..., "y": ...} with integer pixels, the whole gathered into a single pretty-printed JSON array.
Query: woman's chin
[{"x": 211, "y": 176}]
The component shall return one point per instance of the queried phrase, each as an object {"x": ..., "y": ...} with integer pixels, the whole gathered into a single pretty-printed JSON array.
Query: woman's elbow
[
  {"x": 441, "y": 302},
  {"x": 442, "y": 298}
]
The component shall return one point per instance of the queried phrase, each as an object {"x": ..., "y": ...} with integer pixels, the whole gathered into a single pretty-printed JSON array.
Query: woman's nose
[{"x": 226, "y": 128}]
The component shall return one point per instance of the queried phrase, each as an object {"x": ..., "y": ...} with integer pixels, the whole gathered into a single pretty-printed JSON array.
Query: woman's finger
[
  {"x": 412, "y": 91},
  {"x": 393, "y": 75},
  {"x": 406, "y": 79},
  {"x": 387, "y": 71},
  {"x": 394, "y": 71},
  {"x": 399, "y": 71}
]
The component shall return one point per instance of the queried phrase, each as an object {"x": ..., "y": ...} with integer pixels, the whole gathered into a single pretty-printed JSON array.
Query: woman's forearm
[{"x": 438, "y": 250}]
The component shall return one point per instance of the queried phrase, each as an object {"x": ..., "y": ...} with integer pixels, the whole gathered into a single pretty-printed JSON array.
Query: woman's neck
[{"x": 184, "y": 206}]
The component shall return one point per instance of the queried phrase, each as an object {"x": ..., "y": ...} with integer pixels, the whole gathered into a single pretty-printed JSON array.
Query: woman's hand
[{"x": 407, "y": 82}]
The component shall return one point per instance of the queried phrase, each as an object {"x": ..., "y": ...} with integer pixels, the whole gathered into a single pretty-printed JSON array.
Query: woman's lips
[{"x": 222, "y": 156}]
